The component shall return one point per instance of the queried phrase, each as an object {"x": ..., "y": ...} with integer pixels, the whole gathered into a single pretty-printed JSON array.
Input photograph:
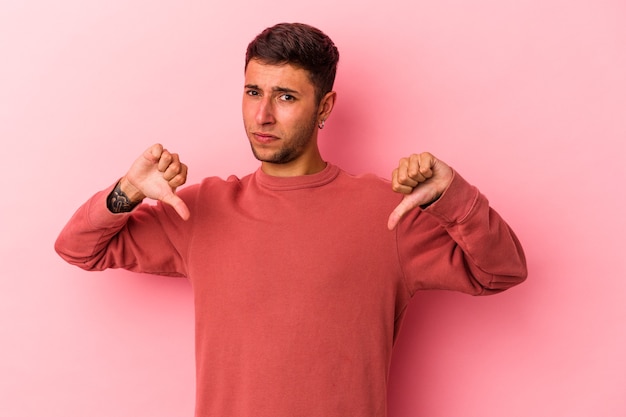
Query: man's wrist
[{"x": 119, "y": 202}]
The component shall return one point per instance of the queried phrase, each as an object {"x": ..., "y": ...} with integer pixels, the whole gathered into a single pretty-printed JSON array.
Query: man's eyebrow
[
  {"x": 284, "y": 90},
  {"x": 274, "y": 89}
]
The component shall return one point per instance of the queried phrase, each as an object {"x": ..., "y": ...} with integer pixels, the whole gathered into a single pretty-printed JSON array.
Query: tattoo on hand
[{"x": 118, "y": 201}]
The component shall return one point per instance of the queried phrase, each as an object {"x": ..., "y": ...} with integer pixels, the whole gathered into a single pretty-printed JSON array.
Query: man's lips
[{"x": 264, "y": 137}]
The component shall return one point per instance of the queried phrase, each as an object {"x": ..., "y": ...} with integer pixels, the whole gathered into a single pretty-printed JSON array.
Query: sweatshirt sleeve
[
  {"x": 460, "y": 243},
  {"x": 149, "y": 239}
]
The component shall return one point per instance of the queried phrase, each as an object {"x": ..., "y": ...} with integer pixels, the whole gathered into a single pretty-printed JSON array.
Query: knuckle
[{"x": 180, "y": 179}]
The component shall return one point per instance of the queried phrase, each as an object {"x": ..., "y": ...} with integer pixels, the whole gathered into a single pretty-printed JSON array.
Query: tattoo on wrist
[{"x": 118, "y": 201}]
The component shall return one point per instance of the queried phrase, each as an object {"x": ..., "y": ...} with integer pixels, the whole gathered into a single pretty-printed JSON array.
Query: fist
[
  {"x": 422, "y": 178},
  {"x": 156, "y": 174}
]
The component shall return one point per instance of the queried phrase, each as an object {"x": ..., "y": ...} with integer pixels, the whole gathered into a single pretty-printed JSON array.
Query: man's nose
[{"x": 265, "y": 112}]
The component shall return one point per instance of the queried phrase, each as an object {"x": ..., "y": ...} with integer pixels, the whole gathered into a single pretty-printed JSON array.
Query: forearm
[
  {"x": 96, "y": 239},
  {"x": 124, "y": 197},
  {"x": 491, "y": 252},
  {"x": 477, "y": 252},
  {"x": 83, "y": 240}
]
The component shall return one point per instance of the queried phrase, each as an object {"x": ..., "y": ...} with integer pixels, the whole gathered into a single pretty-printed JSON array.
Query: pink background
[{"x": 527, "y": 99}]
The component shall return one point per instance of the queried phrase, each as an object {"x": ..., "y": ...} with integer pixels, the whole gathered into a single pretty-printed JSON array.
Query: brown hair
[{"x": 301, "y": 45}]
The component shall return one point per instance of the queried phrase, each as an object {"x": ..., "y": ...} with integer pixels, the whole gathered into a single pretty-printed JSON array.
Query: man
[{"x": 301, "y": 273}]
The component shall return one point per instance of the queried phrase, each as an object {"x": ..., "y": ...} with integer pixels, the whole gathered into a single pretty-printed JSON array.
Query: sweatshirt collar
[{"x": 318, "y": 179}]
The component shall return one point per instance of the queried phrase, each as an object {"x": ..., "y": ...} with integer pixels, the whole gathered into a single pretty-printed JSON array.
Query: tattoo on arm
[{"x": 118, "y": 201}]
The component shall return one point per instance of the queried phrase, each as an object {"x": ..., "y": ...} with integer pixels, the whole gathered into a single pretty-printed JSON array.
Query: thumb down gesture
[
  {"x": 156, "y": 174},
  {"x": 422, "y": 179}
]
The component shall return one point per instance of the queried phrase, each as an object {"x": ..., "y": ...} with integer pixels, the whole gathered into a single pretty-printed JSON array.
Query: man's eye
[
  {"x": 287, "y": 97},
  {"x": 252, "y": 93}
]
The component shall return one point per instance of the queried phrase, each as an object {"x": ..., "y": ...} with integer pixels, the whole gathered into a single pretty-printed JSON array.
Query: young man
[{"x": 301, "y": 272}]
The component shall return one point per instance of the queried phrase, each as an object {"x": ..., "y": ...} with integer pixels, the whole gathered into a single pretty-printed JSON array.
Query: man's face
[{"x": 280, "y": 113}]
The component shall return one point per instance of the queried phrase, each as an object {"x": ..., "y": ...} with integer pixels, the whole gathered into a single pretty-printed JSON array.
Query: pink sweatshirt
[{"x": 299, "y": 287}]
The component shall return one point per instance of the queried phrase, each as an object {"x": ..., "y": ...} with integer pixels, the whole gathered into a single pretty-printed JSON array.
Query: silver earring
[{"x": 321, "y": 124}]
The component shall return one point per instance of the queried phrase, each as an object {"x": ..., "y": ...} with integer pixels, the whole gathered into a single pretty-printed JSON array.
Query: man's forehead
[{"x": 286, "y": 75}]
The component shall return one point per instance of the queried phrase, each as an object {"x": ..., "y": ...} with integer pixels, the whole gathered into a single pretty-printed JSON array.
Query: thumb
[
  {"x": 408, "y": 203},
  {"x": 177, "y": 204},
  {"x": 397, "y": 213}
]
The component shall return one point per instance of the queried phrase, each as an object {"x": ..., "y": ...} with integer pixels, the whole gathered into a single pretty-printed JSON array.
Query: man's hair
[{"x": 300, "y": 45}]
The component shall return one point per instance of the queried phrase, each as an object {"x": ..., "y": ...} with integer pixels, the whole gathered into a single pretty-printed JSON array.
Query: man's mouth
[{"x": 264, "y": 138}]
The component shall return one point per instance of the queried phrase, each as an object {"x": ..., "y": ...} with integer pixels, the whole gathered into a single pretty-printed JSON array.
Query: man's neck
[{"x": 294, "y": 168}]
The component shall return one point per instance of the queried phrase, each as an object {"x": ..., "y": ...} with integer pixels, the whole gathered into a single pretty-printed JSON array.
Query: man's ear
[{"x": 326, "y": 106}]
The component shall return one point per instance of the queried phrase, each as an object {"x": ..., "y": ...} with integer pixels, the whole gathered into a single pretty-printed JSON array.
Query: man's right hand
[{"x": 156, "y": 174}]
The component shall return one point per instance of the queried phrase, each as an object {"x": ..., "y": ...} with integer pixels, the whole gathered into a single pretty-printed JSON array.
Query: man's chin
[{"x": 271, "y": 157}]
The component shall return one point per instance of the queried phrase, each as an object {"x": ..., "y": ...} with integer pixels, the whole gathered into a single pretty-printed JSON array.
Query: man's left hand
[{"x": 422, "y": 178}]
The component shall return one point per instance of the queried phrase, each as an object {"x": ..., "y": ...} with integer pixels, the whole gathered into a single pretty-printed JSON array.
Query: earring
[{"x": 321, "y": 124}]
